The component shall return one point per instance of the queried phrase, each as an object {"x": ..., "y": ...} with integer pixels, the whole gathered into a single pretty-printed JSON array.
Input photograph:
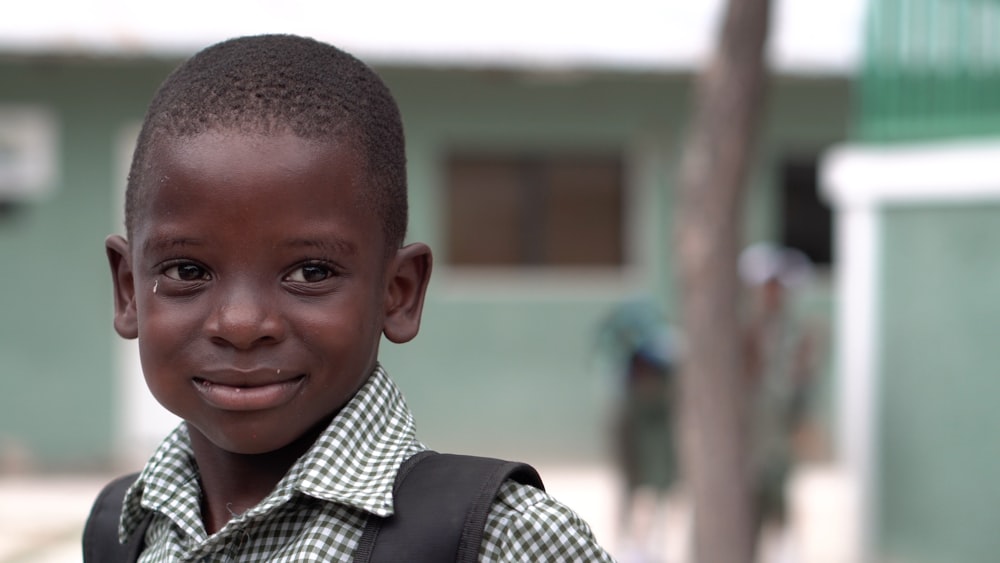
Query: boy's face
[{"x": 258, "y": 284}]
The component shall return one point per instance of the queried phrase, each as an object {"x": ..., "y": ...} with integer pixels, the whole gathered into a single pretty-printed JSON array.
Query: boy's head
[
  {"x": 265, "y": 212},
  {"x": 273, "y": 83}
]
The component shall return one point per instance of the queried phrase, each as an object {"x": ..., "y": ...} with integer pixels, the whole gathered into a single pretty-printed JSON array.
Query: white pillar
[{"x": 860, "y": 181}]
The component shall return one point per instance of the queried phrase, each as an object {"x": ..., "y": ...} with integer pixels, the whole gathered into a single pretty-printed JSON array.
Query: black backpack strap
[
  {"x": 441, "y": 505},
  {"x": 100, "y": 535}
]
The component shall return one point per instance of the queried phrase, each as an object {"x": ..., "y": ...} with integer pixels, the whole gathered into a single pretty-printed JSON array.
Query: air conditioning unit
[{"x": 29, "y": 143}]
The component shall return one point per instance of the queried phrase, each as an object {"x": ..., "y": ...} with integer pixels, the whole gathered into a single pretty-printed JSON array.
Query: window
[
  {"x": 806, "y": 220},
  {"x": 28, "y": 153},
  {"x": 547, "y": 210}
]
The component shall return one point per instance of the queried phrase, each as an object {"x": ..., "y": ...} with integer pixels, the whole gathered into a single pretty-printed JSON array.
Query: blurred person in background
[
  {"x": 780, "y": 368},
  {"x": 643, "y": 350}
]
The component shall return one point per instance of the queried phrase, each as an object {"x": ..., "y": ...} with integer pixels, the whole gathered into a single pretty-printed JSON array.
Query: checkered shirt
[{"x": 318, "y": 510}]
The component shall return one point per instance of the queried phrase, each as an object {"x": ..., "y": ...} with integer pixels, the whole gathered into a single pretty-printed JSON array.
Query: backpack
[{"x": 441, "y": 505}]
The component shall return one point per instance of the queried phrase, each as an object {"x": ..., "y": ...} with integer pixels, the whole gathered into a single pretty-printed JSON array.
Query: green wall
[
  {"x": 513, "y": 361},
  {"x": 938, "y": 459},
  {"x": 505, "y": 366},
  {"x": 55, "y": 332}
]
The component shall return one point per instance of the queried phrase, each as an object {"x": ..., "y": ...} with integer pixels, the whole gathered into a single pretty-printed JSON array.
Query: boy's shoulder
[
  {"x": 441, "y": 506},
  {"x": 100, "y": 534},
  {"x": 527, "y": 524}
]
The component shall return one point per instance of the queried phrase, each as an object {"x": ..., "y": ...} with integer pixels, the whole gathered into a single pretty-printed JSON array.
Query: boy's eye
[
  {"x": 309, "y": 273},
  {"x": 186, "y": 272}
]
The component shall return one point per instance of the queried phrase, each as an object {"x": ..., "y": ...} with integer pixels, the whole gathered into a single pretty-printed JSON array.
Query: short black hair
[{"x": 280, "y": 83}]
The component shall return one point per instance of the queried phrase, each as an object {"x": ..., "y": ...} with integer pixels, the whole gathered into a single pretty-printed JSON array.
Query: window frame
[{"x": 643, "y": 170}]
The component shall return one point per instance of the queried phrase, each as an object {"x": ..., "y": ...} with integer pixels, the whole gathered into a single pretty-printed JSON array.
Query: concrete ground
[{"x": 41, "y": 518}]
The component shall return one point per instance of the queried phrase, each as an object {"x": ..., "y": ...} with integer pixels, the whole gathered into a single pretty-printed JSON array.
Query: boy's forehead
[
  {"x": 223, "y": 140},
  {"x": 225, "y": 151},
  {"x": 237, "y": 163}
]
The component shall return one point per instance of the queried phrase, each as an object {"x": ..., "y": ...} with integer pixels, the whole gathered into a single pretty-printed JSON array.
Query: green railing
[{"x": 931, "y": 70}]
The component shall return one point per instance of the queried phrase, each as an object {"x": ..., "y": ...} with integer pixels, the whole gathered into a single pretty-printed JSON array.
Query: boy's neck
[{"x": 233, "y": 483}]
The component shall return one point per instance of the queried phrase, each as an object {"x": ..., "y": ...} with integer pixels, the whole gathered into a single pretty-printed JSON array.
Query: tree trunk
[{"x": 728, "y": 98}]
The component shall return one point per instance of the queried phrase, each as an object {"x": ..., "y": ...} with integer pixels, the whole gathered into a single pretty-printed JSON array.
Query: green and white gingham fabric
[{"x": 318, "y": 510}]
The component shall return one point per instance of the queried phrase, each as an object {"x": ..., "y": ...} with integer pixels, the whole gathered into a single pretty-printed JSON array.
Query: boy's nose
[{"x": 244, "y": 319}]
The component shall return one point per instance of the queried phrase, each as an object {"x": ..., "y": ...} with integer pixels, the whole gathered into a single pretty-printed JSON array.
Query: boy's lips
[{"x": 248, "y": 390}]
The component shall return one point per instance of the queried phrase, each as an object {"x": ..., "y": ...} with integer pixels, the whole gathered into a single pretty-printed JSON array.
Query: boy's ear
[
  {"x": 406, "y": 284},
  {"x": 126, "y": 321}
]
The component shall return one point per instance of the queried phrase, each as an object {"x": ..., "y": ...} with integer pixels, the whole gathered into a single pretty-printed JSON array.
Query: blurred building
[
  {"x": 543, "y": 144},
  {"x": 917, "y": 198}
]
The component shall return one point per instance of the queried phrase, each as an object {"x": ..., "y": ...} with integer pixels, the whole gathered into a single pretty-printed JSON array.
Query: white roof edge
[
  {"x": 501, "y": 60},
  {"x": 866, "y": 175},
  {"x": 654, "y": 35}
]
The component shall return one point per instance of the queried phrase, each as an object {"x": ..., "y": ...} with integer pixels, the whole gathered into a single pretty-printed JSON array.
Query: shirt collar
[{"x": 353, "y": 462}]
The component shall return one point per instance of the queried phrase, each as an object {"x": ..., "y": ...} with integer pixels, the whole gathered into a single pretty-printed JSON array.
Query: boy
[{"x": 265, "y": 214}]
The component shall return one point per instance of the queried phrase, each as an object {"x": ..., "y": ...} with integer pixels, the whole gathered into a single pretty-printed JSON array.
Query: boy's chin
[{"x": 248, "y": 442}]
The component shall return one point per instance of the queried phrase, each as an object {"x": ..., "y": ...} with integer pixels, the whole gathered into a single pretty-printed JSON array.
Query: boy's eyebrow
[
  {"x": 335, "y": 245},
  {"x": 154, "y": 244}
]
